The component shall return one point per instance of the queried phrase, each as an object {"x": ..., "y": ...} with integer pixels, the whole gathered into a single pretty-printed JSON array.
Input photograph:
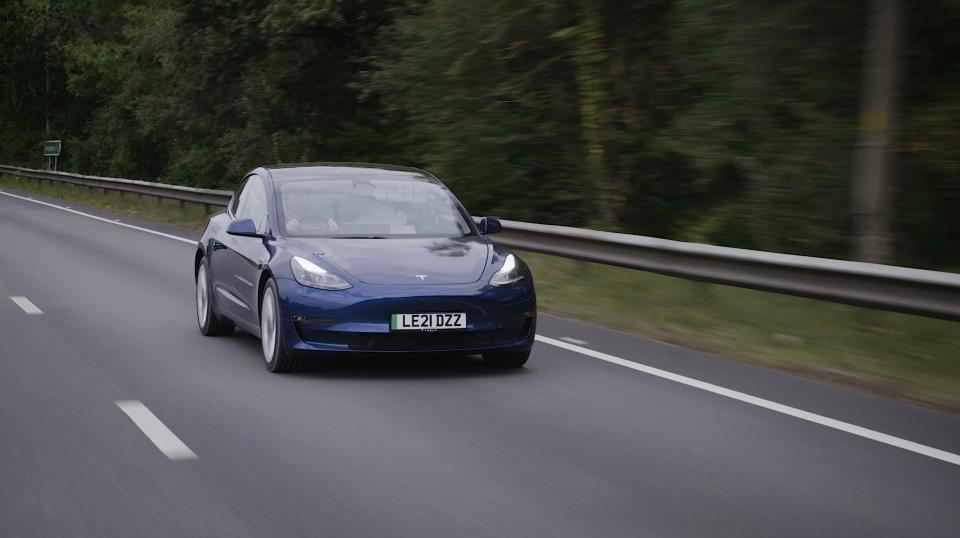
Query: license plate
[{"x": 428, "y": 322}]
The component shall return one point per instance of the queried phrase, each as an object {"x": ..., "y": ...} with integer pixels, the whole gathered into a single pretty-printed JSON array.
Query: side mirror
[
  {"x": 243, "y": 227},
  {"x": 490, "y": 225}
]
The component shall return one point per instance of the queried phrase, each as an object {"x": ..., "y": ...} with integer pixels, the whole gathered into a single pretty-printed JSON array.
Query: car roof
[{"x": 338, "y": 170}]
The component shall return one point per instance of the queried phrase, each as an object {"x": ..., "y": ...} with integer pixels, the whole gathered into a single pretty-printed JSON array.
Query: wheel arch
[
  {"x": 265, "y": 275},
  {"x": 197, "y": 260}
]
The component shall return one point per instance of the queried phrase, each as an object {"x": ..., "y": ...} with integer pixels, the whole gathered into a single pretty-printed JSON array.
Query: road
[{"x": 569, "y": 446}]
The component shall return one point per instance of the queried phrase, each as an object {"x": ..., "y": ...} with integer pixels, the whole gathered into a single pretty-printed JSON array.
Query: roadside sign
[{"x": 51, "y": 148}]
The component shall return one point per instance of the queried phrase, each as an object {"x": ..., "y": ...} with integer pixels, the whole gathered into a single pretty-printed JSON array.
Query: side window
[
  {"x": 236, "y": 196},
  {"x": 252, "y": 202}
]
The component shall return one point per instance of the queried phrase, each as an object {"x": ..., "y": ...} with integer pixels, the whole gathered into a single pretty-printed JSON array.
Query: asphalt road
[{"x": 569, "y": 446}]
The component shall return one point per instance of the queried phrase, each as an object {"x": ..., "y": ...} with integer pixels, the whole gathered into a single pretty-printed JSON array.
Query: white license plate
[{"x": 428, "y": 322}]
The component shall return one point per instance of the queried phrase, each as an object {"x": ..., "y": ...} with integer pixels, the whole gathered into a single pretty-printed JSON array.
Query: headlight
[
  {"x": 310, "y": 274},
  {"x": 508, "y": 274}
]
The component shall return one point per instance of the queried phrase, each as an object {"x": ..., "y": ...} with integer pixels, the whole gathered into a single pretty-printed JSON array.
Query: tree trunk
[
  {"x": 872, "y": 182},
  {"x": 590, "y": 58}
]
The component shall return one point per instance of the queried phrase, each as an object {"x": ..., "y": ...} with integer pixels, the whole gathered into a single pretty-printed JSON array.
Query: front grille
[
  {"x": 416, "y": 340},
  {"x": 398, "y": 341}
]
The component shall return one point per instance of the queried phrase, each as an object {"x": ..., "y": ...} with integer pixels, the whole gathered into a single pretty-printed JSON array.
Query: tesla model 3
[{"x": 320, "y": 259}]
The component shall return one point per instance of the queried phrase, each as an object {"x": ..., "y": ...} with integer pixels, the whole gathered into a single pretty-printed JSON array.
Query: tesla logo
[{"x": 421, "y": 277}]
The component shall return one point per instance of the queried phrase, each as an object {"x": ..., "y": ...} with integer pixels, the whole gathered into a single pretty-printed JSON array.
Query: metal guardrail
[
  {"x": 884, "y": 287},
  {"x": 207, "y": 197}
]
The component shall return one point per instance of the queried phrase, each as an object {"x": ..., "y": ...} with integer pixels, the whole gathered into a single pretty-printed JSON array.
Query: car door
[{"x": 237, "y": 264}]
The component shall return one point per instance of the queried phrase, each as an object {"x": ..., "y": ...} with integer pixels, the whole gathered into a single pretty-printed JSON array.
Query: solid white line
[
  {"x": 574, "y": 341},
  {"x": 156, "y": 431},
  {"x": 760, "y": 402},
  {"x": 101, "y": 219},
  {"x": 27, "y": 306}
]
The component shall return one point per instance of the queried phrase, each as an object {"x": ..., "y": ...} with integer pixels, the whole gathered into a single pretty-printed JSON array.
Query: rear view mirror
[{"x": 490, "y": 225}]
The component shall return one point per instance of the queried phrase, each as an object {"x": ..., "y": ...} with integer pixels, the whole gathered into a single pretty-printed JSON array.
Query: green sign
[{"x": 51, "y": 148}]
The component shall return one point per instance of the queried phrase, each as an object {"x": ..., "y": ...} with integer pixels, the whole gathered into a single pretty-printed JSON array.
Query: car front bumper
[{"x": 357, "y": 320}]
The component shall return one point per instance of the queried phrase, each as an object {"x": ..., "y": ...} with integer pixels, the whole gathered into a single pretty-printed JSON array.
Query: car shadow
[{"x": 391, "y": 366}]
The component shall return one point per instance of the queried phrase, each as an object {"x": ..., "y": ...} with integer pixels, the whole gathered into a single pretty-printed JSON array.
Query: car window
[
  {"x": 369, "y": 206},
  {"x": 236, "y": 196},
  {"x": 252, "y": 203}
]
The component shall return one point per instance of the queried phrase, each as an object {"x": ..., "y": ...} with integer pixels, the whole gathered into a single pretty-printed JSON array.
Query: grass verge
[
  {"x": 147, "y": 207},
  {"x": 907, "y": 357}
]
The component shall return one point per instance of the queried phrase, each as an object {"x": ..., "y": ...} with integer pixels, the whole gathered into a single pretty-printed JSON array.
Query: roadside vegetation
[
  {"x": 906, "y": 357},
  {"x": 730, "y": 122}
]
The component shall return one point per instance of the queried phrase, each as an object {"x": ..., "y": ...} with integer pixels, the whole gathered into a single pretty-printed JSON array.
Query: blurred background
[
  {"x": 817, "y": 127},
  {"x": 726, "y": 121}
]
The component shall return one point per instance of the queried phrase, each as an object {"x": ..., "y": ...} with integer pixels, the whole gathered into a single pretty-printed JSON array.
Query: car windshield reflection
[{"x": 370, "y": 208}]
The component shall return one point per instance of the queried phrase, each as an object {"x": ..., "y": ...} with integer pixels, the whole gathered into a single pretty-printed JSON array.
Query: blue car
[{"x": 358, "y": 258}]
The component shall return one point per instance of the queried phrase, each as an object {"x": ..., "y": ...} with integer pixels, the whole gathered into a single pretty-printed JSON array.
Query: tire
[
  {"x": 211, "y": 324},
  {"x": 506, "y": 359},
  {"x": 275, "y": 353}
]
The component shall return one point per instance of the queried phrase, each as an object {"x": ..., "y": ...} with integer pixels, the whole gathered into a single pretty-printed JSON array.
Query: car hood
[{"x": 435, "y": 260}]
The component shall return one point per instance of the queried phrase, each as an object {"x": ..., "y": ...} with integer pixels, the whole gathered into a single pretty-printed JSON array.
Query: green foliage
[
  {"x": 491, "y": 110},
  {"x": 772, "y": 104},
  {"x": 724, "y": 121}
]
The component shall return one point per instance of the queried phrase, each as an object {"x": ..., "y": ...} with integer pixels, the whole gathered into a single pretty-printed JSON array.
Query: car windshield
[{"x": 369, "y": 208}]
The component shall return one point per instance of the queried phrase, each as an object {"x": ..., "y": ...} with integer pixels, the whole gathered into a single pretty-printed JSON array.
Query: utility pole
[
  {"x": 873, "y": 168},
  {"x": 46, "y": 70}
]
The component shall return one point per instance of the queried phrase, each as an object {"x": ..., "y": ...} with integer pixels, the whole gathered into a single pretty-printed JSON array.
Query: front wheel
[
  {"x": 506, "y": 359},
  {"x": 210, "y": 323},
  {"x": 275, "y": 354}
]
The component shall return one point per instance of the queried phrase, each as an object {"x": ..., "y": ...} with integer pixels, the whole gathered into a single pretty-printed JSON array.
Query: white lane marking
[
  {"x": 156, "y": 431},
  {"x": 26, "y": 305},
  {"x": 574, "y": 341},
  {"x": 101, "y": 219},
  {"x": 853, "y": 429}
]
